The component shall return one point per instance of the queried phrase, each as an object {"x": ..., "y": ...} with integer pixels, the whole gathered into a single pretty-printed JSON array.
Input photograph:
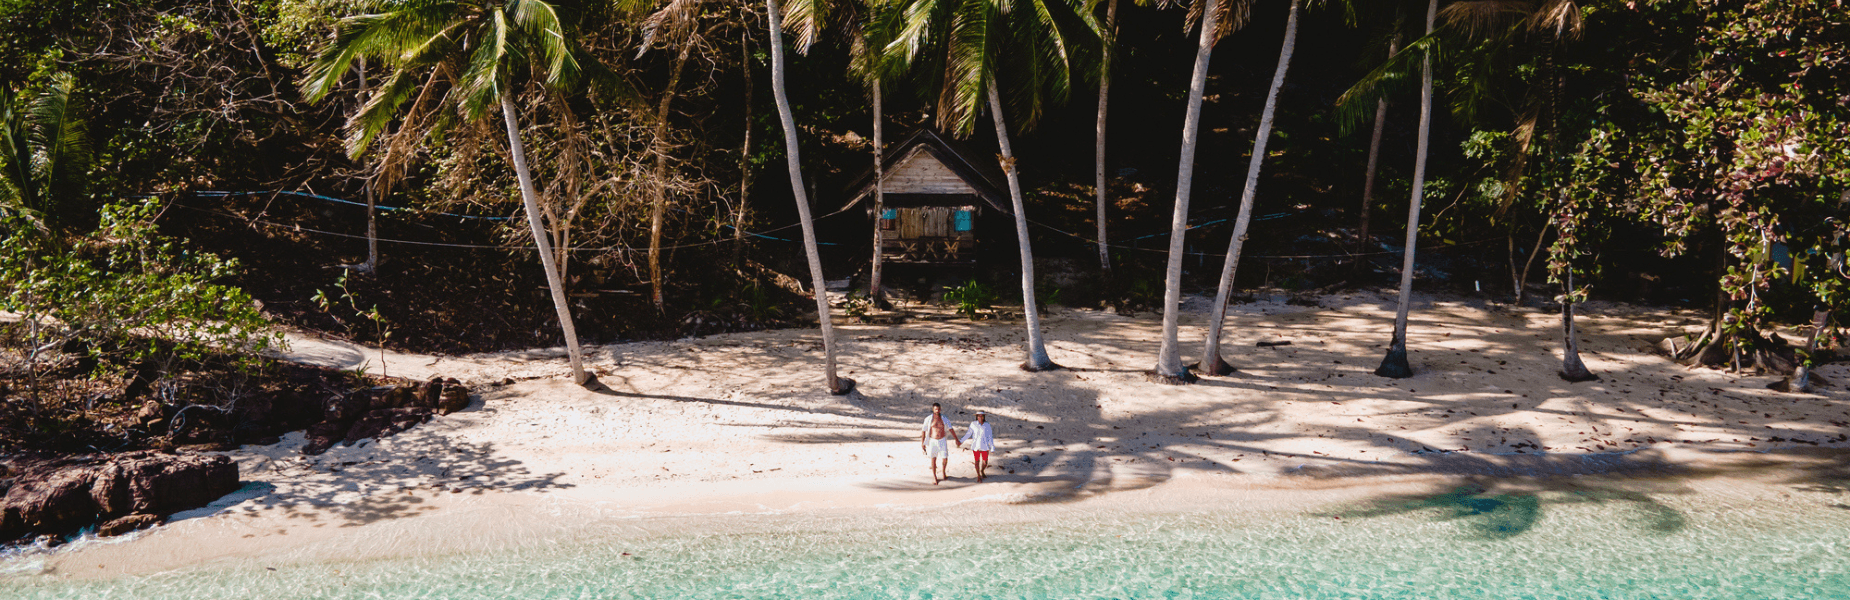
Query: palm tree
[
  {"x": 837, "y": 385},
  {"x": 1109, "y": 36},
  {"x": 1374, "y": 153},
  {"x": 1395, "y": 365},
  {"x": 44, "y": 155},
  {"x": 977, "y": 39},
  {"x": 1169, "y": 367},
  {"x": 1211, "y": 362},
  {"x": 472, "y": 47}
]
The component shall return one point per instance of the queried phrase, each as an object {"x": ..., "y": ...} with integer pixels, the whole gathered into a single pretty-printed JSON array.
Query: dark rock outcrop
[
  {"x": 63, "y": 496},
  {"x": 119, "y": 526},
  {"x": 381, "y": 423},
  {"x": 454, "y": 397}
]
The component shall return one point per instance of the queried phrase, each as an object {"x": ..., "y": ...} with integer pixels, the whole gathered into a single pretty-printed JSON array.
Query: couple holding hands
[{"x": 935, "y": 440}]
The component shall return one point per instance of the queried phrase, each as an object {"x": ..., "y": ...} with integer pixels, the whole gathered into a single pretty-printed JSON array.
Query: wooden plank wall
[{"x": 921, "y": 173}]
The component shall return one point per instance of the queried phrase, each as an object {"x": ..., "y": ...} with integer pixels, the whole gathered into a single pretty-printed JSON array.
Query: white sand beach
[{"x": 740, "y": 423}]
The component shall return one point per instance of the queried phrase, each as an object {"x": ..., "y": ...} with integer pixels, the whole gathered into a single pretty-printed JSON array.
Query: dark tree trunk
[{"x": 1572, "y": 369}]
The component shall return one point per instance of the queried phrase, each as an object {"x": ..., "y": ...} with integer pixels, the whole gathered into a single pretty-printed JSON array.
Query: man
[
  {"x": 981, "y": 439},
  {"x": 935, "y": 440}
]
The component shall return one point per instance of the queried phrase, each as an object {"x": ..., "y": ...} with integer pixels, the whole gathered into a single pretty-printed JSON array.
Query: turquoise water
[{"x": 1462, "y": 543}]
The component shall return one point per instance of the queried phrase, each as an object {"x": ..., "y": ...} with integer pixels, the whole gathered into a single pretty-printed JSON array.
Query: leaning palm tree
[
  {"x": 473, "y": 50},
  {"x": 976, "y": 41},
  {"x": 1394, "y": 364},
  {"x": 837, "y": 385},
  {"x": 1169, "y": 367},
  {"x": 1211, "y": 361}
]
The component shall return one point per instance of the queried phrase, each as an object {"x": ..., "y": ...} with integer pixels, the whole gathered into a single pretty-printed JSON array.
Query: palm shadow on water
[{"x": 1500, "y": 509}]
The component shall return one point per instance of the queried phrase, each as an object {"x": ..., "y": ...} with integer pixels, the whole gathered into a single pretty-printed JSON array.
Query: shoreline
[{"x": 696, "y": 430}]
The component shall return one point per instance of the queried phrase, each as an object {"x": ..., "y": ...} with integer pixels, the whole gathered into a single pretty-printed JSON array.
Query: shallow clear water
[{"x": 1460, "y": 544}]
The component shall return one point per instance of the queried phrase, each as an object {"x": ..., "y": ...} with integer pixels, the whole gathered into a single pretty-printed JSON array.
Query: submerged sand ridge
[{"x": 740, "y": 423}]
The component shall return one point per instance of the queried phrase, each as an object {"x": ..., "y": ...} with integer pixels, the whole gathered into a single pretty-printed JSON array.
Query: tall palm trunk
[
  {"x": 1037, "y": 351},
  {"x": 837, "y": 385},
  {"x": 1374, "y": 153},
  {"x": 1395, "y": 363},
  {"x": 745, "y": 157},
  {"x": 372, "y": 229},
  {"x": 1098, "y": 150},
  {"x": 1211, "y": 362},
  {"x": 1169, "y": 356},
  {"x": 873, "y": 279},
  {"x": 1572, "y": 369},
  {"x": 530, "y": 200},
  {"x": 658, "y": 205}
]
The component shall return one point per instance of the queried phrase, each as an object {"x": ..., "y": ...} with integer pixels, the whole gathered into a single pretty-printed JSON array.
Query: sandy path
[{"x": 740, "y": 422}]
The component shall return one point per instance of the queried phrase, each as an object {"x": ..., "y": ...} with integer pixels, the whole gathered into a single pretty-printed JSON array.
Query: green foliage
[
  {"x": 760, "y": 303},
  {"x": 347, "y": 302},
  {"x": 125, "y": 291},
  {"x": 858, "y": 305},
  {"x": 973, "y": 299},
  {"x": 44, "y": 157}
]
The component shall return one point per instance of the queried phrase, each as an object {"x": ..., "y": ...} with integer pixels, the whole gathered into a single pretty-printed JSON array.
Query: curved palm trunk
[
  {"x": 1211, "y": 362},
  {"x": 1098, "y": 151},
  {"x": 837, "y": 385},
  {"x": 873, "y": 279},
  {"x": 1374, "y": 152},
  {"x": 1395, "y": 363},
  {"x": 1037, "y": 351},
  {"x": 530, "y": 200},
  {"x": 1572, "y": 369},
  {"x": 659, "y": 203},
  {"x": 1169, "y": 367}
]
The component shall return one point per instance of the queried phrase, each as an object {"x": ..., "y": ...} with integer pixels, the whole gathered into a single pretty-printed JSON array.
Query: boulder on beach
[{"x": 60, "y": 497}]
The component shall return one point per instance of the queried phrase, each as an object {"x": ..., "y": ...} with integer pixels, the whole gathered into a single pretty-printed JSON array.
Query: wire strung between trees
[
  {"x": 299, "y": 228},
  {"x": 1223, "y": 254}
]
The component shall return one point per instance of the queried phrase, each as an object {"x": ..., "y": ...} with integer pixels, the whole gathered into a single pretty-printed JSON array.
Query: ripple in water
[{"x": 1463, "y": 543}]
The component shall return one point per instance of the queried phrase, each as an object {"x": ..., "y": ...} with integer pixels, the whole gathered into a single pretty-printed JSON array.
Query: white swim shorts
[{"x": 938, "y": 448}]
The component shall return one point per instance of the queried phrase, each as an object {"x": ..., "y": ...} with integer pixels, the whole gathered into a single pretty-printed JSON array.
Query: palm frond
[
  {"x": 379, "y": 112},
  {"x": 16, "y": 159},
  {"x": 1356, "y": 104},
  {"x": 63, "y": 141},
  {"x": 1233, "y": 16},
  {"x": 672, "y": 23},
  {"x": 392, "y": 37},
  {"x": 805, "y": 20},
  {"x": 1482, "y": 18},
  {"x": 542, "y": 29},
  {"x": 1563, "y": 16},
  {"x": 972, "y": 49},
  {"x": 484, "y": 77}
]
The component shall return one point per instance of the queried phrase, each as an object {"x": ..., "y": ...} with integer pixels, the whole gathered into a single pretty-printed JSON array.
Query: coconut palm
[
  {"x": 44, "y": 156},
  {"x": 1211, "y": 361},
  {"x": 1394, "y": 364},
  {"x": 978, "y": 42},
  {"x": 472, "y": 50},
  {"x": 1169, "y": 367},
  {"x": 837, "y": 385},
  {"x": 1109, "y": 37}
]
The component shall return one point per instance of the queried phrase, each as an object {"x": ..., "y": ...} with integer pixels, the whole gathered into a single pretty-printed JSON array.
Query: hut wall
[{"x": 921, "y": 173}]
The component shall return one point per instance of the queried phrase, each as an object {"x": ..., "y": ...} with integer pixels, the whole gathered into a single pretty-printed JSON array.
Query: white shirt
[
  {"x": 984, "y": 436},
  {"x": 948, "y": 430}
]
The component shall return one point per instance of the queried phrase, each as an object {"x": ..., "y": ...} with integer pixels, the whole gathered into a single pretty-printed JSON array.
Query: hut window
[
  {"x": 889, "y": 219},
  {"x": 963, "y": 220}
]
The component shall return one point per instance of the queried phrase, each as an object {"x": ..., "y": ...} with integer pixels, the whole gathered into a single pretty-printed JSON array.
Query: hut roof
[{"x": 980, "y": 175}]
